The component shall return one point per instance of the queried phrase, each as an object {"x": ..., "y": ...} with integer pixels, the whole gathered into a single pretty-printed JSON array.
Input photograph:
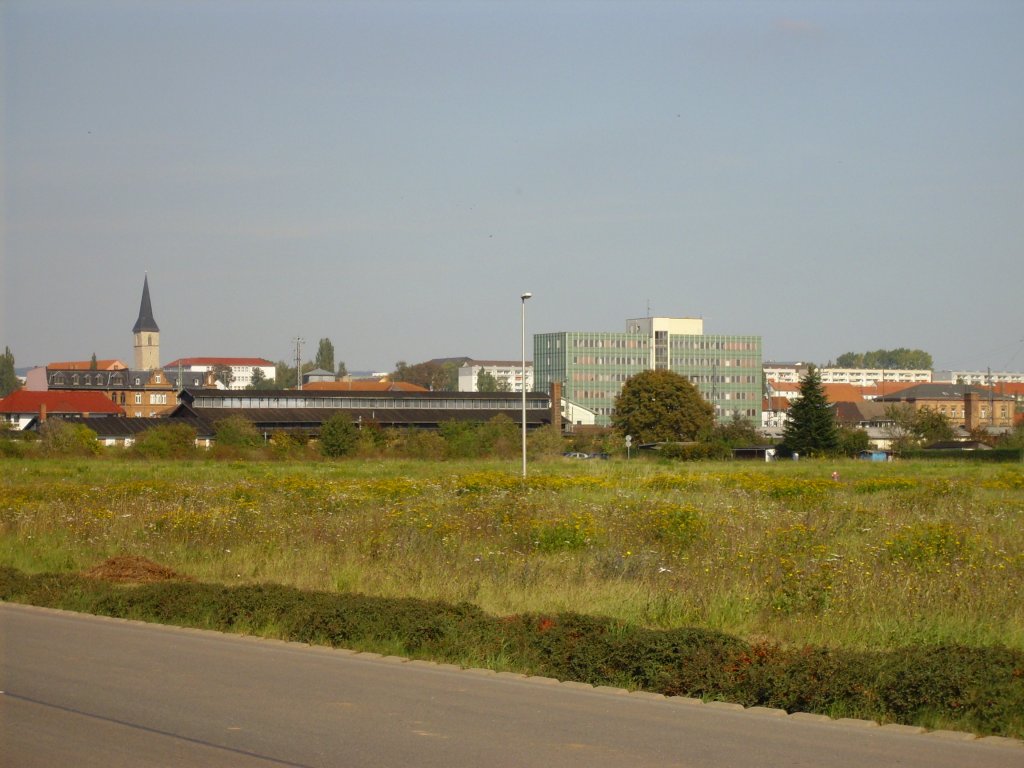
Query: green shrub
[
  {"x": 695, "y": 451},
  {"x": 237, "y": 432},
  {"x": 338, "y": 435},
  {"x": 65, "y": 438},
  {"x": 166, "y": 441}
]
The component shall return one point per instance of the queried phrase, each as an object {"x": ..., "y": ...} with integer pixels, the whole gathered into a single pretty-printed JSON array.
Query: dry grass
[{"x": 890, "y": 555}]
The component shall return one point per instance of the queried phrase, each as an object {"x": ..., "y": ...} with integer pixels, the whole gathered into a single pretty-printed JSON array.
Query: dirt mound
[{"x": 132, "y": 569}]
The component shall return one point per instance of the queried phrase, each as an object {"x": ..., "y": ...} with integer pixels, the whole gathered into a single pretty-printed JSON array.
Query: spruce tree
[{"x": 811, "y": 429}]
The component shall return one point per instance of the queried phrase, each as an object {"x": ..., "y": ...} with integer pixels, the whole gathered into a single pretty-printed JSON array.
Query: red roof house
[{"x": 22, "y": 407}]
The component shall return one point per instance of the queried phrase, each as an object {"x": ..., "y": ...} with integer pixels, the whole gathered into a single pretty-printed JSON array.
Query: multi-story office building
[{"x": 593, "y": 365}]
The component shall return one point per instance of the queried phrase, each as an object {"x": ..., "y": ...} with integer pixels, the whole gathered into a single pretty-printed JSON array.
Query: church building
[{"x": 147, "y": 334}]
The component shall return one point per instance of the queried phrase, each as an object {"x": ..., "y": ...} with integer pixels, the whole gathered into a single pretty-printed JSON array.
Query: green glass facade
[{"x": 593, "y": 366}]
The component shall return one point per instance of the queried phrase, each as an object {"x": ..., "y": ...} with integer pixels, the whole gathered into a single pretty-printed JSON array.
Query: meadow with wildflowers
[{"x": 885, "y": 556}]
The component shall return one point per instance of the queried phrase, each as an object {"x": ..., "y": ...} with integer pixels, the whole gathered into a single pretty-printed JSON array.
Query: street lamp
[{"x": 522, "y": 375}]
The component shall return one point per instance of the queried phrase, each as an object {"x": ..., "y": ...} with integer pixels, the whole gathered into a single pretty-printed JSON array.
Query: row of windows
[
  {"x": 596, "y": 343},
  {"x": 592, "y": 360},
  {"x": 612, "y": 392},
  {"x": 155, "y": 398},
  {"x": 729, "y": 412},
  {"x": 699, "y": 342},
  {"x": 683, "y": 363},
  {"x": 114, "y": 381},
  {"x": 369, "y": 402},
  {"x": 723, "y": 379}
]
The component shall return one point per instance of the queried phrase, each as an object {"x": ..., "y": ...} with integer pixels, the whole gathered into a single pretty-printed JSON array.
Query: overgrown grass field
[{"x": 888, "y": 555}]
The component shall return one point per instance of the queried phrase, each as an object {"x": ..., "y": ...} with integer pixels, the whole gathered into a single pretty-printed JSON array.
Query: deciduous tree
[
  {"x": 910, "y": 427},
  {"x": 432, "y": 374},
  {"x": 913, "y": 359},
  {"x": 485, "y": 382},
  {"x": 8, "y": 378},
  {"x": 657, "y": 406},
  {"x": 325, "y": 355}
]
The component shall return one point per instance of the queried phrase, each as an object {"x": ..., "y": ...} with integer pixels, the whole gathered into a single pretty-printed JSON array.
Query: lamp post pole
[{"x": 522, "y": 373}]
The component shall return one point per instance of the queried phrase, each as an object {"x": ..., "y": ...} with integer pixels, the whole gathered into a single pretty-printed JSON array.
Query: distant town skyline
[{"x": 833, "y": 177}]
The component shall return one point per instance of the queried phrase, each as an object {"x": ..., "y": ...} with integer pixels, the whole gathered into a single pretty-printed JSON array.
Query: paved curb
[{"x": 682, "y": 701}]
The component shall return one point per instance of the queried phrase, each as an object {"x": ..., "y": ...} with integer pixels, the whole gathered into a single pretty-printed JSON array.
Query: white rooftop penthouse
[{"x": 674, "y": 326}]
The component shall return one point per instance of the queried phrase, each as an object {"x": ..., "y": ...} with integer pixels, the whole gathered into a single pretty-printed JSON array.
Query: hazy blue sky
[{"x": 833, "y": 176}]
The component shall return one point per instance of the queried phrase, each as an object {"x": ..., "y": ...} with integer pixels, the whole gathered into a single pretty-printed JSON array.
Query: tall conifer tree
[{"x": 811, "y": 429}]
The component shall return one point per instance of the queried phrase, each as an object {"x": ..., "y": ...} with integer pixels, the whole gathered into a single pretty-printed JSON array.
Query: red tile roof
[
  {"x": 1009, "y": 388},
  {"x": 58, "y": 402},
  {"x": 364, "y": 385},
  {"x": 185, "y": 362},
  {"x": 847, "y": 393}
]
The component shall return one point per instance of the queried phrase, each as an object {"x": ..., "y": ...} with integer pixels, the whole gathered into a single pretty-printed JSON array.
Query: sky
[{"x": 832, "y": 176}]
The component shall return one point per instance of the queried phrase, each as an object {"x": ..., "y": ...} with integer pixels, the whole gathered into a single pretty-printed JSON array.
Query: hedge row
[
  {"x": 951, "y": 686},
  {"x": 994, "y": 456}
]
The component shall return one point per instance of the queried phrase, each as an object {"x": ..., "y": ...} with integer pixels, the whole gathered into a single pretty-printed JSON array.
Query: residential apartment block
[
  {"x": 592, "y": 366},
  {"x": 980, "y": 377},
  {"x": 792, "y": 373},
  {"x": 508, "y": 374},
  {"x": 241, "y": 368}
]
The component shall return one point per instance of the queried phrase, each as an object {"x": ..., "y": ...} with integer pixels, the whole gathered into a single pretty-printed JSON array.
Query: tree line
[{"x": 887, "y": 359}]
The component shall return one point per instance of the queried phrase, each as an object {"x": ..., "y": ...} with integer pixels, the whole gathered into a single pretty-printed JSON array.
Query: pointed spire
[{"x": 145, "y": 321}]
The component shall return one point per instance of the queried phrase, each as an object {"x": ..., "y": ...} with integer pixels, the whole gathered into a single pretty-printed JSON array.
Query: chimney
[
  {"x": 42, "y": 413},
  {"x": 968, "y": 410},
  {"x": 556, "y": 405}
]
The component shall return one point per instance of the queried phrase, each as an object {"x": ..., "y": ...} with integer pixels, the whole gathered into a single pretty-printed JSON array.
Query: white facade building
[
  {"x": 793, "y": 373},
  {"x": 982, "y": 378},
  {"x": 242, "y": 368},
  {"x": 508, "y": 374}
]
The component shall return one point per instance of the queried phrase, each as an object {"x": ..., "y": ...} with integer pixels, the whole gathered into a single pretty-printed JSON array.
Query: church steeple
[
  {"x": 147, "y": 334},
  {"x": 145, "y": 321}
]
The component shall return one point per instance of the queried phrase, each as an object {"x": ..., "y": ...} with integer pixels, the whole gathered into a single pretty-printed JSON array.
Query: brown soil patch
[{"x": 132, "y": 569}]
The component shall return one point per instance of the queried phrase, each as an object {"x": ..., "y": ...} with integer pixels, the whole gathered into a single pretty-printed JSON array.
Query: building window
[{"x": 138, "y": 398}]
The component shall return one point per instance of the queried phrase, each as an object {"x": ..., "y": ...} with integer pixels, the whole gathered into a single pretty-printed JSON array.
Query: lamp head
[{"x": 526, "y": 296}]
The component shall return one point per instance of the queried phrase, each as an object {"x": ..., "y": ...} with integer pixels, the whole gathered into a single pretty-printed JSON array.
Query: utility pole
[
  {"x": 991, "y": 398},
  {"x": 299, "y": 341}
]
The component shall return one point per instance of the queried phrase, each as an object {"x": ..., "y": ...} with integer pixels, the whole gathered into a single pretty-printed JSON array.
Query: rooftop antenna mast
[{"x": 299, "y": 341}]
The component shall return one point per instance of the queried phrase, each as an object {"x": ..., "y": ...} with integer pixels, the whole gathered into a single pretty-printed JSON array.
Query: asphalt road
[{"x": 86, "y": 691}]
